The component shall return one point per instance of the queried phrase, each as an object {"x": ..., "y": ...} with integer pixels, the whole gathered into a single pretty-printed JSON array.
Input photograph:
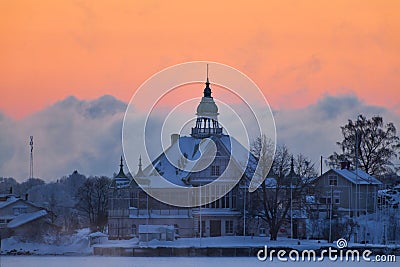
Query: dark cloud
[{"x": 314, "y": 130}]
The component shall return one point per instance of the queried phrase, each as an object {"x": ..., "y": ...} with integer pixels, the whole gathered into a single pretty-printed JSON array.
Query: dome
[{"x": 207, "y": 108}]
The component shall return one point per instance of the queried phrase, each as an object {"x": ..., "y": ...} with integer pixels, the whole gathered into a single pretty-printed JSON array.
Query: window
[
  {"x": 332, "y": 180},
  {"x": 134, "y": 199},
  {"x": 203, "y": 228},
  {"x": 262, "y": 231},
  {"x": 229, "y": 227},
  {"x": 233, "y": 202},
  {"x": 3, "y": 223},
  {"x": 176, "y": 228},
  {"x": 19, "y": 210},
  {"x": 133, "y": 229},
  {"x": 214, "y": 170},
  {"x": 224, "y": 202},
  {"x": 336, "y": 197}
]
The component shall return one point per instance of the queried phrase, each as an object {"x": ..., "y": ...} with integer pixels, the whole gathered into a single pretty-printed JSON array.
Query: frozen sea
[{"x": 95, "y": 261}]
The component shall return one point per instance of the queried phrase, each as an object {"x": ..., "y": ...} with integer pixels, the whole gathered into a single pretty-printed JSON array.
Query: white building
[{"x": 130, "y": 206}]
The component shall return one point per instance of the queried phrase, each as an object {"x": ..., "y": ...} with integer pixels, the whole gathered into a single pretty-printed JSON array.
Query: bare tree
[
  {"x": 93, "y": 201},
  {"x": 370, "y": 144},
  {"x": 273, "y": 199}
]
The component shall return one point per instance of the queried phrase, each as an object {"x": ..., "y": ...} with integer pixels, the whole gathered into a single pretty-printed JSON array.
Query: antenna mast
[{"x": 31, "y": 161}]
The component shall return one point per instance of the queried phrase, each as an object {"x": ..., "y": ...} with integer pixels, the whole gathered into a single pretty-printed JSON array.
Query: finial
[
  {"x": 207, "y": 75},
  {"x": 140, "y": 171},
  {"x": 207, "y": 90},
  {"x": 121, "y": 173}
]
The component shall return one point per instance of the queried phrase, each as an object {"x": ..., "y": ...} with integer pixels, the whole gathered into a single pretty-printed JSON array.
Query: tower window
[
  {"x": 214, "y": 170},
  {"x": 333, "y": 180}
]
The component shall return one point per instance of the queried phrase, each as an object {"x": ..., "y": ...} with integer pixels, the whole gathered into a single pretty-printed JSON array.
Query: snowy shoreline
[{"x": 191, "y": 247}]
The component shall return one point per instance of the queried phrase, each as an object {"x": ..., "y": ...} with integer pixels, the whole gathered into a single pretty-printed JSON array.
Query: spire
[
  {"x": 140, "y": 171},
  {"x": 207, "y": 90},
  {"x": 292, "y": 174},
  {"x": 121, "y": 173},
  {"x": 207, "y": 76}
]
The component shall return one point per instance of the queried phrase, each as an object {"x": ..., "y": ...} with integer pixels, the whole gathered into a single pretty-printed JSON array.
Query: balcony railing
[{"x": 206, "y": 132}]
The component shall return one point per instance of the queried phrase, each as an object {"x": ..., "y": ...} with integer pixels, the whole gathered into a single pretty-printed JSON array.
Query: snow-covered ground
[
  {"x": 77, "y": 244},
  {"x": 224, "y": 241},
  {"x": 95, "y": 261}
]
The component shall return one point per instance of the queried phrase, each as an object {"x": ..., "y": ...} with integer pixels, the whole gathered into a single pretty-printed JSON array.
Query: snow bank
[{"x": 77, "y": 244}]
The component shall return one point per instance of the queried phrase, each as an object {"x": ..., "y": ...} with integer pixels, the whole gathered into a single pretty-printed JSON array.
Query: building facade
[
  {"x": 346, "y": 191},
  {"x": 131, "y": 207},
  {"x": 19, "y": 216}
]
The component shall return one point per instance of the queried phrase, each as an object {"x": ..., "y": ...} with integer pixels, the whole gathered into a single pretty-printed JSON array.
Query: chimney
[
  {"x": 174, "y": 138},
  {"x": 26, "y": 197},
  {"x": 345, "y": 165}
]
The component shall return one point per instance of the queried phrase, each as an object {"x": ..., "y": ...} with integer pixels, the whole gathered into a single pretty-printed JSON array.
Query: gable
[
  {"x": 349, "y": 176},
  {"x": 191, "y": 148}
]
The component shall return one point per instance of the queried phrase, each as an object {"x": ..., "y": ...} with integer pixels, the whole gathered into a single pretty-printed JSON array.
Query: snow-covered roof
[
  {"x": 97, "y": 234},
  {"x": 159, "y": 216},
  {"x": 7, "y": 195},
  {"x": 357, "y": 176},
  {"x": 26, "y": 218},
  {"x": 148, "y": 229},
  {"x": 392, "y": 196},
  {"x": 190, "y": 147},
  {"x": 120, "y": 182},
  {"x": 216, "y": 212},
  {"x": 7, "y": 217},
  {"x": 299, "y": 214},
  {"x": 9, "y": 201},
  {"x": 186, "y": 145}
]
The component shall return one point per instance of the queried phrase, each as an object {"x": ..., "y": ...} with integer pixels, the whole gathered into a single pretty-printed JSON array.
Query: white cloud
[{"x": 71, "y": 134}]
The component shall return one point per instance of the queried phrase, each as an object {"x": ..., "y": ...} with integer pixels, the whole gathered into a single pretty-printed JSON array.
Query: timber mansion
[{"x": 133, "y": 213}]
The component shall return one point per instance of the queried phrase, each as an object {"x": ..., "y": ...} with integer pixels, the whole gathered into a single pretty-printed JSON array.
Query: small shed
[
  {"x": 158, "y": 232},
  {"x": 97, "y": 238}
]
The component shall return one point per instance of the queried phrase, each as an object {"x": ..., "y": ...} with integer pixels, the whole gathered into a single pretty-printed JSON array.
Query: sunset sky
[
  {"x": 69, "y": 68},
  {"x": 295, "y": 51}
]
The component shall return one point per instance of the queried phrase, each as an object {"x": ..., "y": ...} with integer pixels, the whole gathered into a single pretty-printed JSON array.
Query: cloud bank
[
  {"x": 70, "y": 135},
  {"x": 82, "y": 135}
]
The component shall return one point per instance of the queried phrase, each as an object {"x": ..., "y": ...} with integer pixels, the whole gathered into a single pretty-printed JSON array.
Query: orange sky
[{"x": 296, "y": 51}]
